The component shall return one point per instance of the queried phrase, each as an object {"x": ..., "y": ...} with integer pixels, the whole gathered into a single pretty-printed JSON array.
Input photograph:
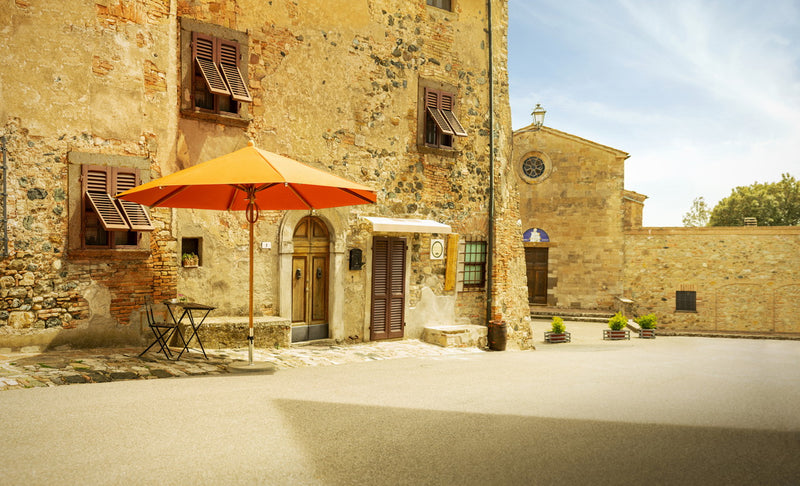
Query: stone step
[{"x": 582, "y": 315}]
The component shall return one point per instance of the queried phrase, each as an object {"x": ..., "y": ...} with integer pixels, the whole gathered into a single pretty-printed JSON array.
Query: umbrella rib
[
  {"x": 302, "y": 199},
  {"x": 169, "y": 196},
  {"x": 353, "y": 193},
  {"x": 236, "y": 187}
]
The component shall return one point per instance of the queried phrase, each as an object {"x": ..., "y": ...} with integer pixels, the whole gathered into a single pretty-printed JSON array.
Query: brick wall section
[{"x": 746, "y": 278}]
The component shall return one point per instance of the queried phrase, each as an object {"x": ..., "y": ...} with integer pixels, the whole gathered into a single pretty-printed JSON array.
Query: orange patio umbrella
[{"x": 250, "y": 179}]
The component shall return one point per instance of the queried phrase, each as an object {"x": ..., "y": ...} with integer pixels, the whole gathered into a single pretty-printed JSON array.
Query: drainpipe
[{"x": 490, "y": 242}]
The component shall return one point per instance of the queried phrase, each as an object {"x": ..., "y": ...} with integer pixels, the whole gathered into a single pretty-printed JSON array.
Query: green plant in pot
[
  {"x": 558, "y": 332},
  {"x": 190, "y": 260},
  {"x": 558, "y": 326},
  {"x": 647, "y": 323},
  {"x": 617, "y": 329}
]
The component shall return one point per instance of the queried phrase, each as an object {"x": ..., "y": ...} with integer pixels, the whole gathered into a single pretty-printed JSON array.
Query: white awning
[{"x": 407, "y": 225}]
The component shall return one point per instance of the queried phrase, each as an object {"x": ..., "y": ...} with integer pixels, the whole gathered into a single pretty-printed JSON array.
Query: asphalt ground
[{"x": 674, "y": 410}]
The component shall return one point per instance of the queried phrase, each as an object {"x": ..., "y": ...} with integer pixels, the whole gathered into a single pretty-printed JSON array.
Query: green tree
[
  {"x": 698, "y": 214},
  {"x": 772, "y": 204}
]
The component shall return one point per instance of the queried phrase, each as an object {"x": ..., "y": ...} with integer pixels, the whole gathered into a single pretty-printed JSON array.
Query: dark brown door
[
  {"x": 536, "y": 265},
  {"x": 388, "y": 287}
]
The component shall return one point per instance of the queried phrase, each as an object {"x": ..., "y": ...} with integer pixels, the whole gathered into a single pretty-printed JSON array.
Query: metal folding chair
[{"x": 163, "y": 330}]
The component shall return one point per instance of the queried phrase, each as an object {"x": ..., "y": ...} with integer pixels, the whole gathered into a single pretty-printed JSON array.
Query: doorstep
[{"x": 456, "y": 336}]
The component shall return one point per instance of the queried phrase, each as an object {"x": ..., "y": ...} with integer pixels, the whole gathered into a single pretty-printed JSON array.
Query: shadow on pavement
[{"x": 354, "y": 444}]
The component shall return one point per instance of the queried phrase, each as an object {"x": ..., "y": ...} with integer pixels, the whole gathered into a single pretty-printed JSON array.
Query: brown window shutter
[
  {"x": 203, "y": 53},
  {"x": 135, "y": 213},
  {"x": 447, "y": 112},
  {"x": 229, "y": 65},
  {"x": 434, "y": 100},
  {"x": 96, "y": 183}
]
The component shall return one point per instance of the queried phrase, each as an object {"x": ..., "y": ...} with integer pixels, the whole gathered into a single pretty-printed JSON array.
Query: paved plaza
[{"x": 674, "y": 410}]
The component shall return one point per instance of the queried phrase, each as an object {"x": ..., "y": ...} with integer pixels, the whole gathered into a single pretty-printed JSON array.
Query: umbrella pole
[{"x": 250, "y": 328}]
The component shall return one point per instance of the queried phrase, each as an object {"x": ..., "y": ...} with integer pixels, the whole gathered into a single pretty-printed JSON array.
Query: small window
[
  {"x": 443, "y": 4},
  {"x": 108, "y": 222},
  {"x": 441, "y": 124},
  {"x": 686, "y": 300},
  {"x": 191, "y": 248},
  {"x": 473, "y": 276}
]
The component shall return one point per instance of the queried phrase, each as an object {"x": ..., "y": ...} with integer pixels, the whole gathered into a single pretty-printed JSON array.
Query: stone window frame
[
  {"x": 77, "y": 201},
  {"x": 424, "y": 117},
  {"x": 464, "y": 282},
  {"x": 191, "y": 74}
]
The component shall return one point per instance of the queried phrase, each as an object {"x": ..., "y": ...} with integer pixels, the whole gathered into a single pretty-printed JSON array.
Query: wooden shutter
[
  {"x": 432, "y": 104},
  {"x": 135, "y": 213},
  {"x": 229, "y": 65},
  {"x": 446, "y": 108},
  {"x": 203, "y": 50},
  {"x": 96, "y": 182},
  {"x": 397, "y": 262},
  {"x": 388, "y": 287}
]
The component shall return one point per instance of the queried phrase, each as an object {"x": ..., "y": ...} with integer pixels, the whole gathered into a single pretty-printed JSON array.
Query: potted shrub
[
  {"x": 647, "y": 324},
  {"x": 190, "y": 260},
  {"x": 617, "y": 329},
  {"x": 558, "y": 332}
]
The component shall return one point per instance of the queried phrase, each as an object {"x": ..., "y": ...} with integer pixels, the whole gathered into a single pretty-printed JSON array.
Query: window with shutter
[
  {"x": 109, "y": 222},
  {"x": 441, "y": 123},
  {"x": 218, "y": 82}
]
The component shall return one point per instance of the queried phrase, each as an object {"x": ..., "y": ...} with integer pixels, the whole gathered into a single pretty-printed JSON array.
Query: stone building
[
  {"x": 586, "y": 248},
  {"x": 409, "y": 98}
]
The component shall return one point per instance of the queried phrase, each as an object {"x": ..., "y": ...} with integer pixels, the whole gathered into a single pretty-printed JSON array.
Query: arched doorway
[{"x": 310, "y": 280}]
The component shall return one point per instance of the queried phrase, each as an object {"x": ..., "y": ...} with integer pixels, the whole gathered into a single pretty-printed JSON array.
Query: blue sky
[{"x": 704, "y": 95}]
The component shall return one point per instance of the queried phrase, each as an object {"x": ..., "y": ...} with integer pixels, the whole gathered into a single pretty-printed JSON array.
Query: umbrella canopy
[
  {"x": 277, "y": 182},
  {"x": 250, "y": 179}
]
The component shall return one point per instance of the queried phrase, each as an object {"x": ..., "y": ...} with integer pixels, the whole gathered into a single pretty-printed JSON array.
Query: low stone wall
[
  {"x": 231, "y": 332},
  {"x": 745, "y": 279}
]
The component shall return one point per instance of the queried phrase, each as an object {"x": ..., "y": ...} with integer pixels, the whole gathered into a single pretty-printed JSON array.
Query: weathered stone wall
[
  {"x": 578, "y": 202},
  {"x": 746, "y": 279},
  {"x": 335, "y": 84},
  {"x": 79, "y": 78}
]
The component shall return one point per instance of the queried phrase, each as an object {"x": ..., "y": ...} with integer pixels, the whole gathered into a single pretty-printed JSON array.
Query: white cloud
[{"x": 704, "y": 95}]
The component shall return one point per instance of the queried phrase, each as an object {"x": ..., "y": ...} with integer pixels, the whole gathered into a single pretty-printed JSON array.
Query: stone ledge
[
  {"x": 231, "y": 332},
  {"x": 456, "y": 336}
]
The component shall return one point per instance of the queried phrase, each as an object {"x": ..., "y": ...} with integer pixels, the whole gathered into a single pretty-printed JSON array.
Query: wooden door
[
  {"x": 536, "y": 266},
  {"x": 310, "y": 280},
  {"x": 388, "y": 287}
]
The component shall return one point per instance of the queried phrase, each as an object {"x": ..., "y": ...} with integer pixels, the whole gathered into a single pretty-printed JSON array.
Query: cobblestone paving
[{"x": 67, "y": 367}]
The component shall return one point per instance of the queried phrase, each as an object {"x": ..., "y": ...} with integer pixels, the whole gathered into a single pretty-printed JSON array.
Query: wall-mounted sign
[{"x": 437, "y": 249}]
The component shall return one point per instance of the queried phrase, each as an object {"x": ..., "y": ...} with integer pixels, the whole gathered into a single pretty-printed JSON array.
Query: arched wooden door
[{"x": 310, "y": 280}]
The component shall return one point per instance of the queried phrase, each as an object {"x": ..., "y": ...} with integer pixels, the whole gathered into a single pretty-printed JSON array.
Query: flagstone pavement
[{"x": 73, "y": 366}]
